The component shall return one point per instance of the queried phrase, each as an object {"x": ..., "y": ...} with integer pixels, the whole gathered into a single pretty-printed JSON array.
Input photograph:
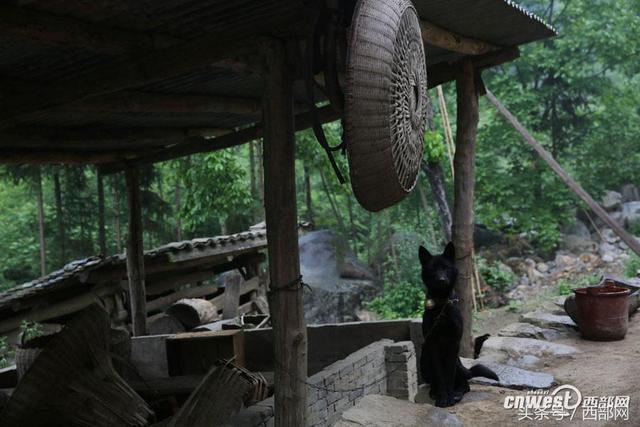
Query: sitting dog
[{"x": 442, "y": 330}]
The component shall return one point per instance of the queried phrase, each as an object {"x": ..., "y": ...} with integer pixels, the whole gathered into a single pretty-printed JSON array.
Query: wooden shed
[{"x": 121, "y": 83}]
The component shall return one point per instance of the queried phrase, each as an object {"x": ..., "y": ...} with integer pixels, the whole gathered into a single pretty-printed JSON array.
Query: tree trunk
[
  {"x": 464, "y": 183},
  {"x": 59, "y": 216},
  {"x": 116, "y": 213},
  {"x": 332, "y": 203},
  {"x": 307, "y": 193},
  {"x": 290, "y": 334},
  {"x": 102, "y": 235},
  {"x": 178, "y": 207},
  {"x": 41, "y": 231},
  {"x": 255, "y": 194},
  {"x": 135, "y": 255},
  {"x": 433, "y": 171}
]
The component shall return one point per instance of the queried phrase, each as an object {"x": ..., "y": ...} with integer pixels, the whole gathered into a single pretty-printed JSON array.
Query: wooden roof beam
[
  {"x": 61, "y": 31},
  {"x": 128, "y": 72},
  {"x": 445, "y": 39},
  {"x": 110, "y": 138},
  {"x": 150, "y": 102},
  {"x": 444, "y": 72},
  {"x": 302, "y": 121}
]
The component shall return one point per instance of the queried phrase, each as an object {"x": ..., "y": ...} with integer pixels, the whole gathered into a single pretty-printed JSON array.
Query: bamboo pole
[
  {"x": 448, "y": 139},
  {"x": 565, "y": 177}
]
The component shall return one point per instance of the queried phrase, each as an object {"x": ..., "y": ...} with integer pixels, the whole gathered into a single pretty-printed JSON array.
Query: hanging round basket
[{"x": 385, "y": 101}]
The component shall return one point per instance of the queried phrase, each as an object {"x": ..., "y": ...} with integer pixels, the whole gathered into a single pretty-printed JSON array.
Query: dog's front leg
[
  {"x": 441, "y": 386},
  {"x": 449, "y": 365}
]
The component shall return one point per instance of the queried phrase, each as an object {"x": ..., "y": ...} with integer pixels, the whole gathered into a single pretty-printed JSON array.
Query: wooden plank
[
  {"x": 128, "y": 72},
  {"x": 18, "y": 155},
  {"x": 287, "y": 310},
  {"x": 631, "y": 241},
  {"x": 464, "y": 187},
  {"x": 231, "y": 298},
  {"x": 445, "y": 39},
  {"x": 135, "y": 255}
]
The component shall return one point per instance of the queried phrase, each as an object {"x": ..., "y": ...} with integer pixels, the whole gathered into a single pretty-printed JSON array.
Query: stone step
[
  {"x": 511, "y": 376},
  {"x": 383, "y": 411},
  {"x": 523, "y": 352},
  {"x": 544, "y": 319}
]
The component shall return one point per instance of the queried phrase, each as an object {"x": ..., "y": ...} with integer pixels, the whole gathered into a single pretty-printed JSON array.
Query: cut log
[
  {"x": 165, "y": 324},
  {"x": 193, "y": 312}
]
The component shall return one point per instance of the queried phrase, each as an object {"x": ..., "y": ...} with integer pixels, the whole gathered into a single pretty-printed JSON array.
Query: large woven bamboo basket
[{"x": 385, "y": 101}]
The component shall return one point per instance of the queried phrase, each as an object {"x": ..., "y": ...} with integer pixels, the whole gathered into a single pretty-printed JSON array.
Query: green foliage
[
  {"x": 216, "y": 189},
  {"x": 30, "y": 330},
  {"x": 495, "y": 275},
  {"x": 434, "y": 147},
  {"x": 634, "y": 228},
  {"x": 6, "y": 353},
  {"x": 566, "y": 286},
  {"x": 632, "y": 266},
  {"x": 403, "y": 294}
]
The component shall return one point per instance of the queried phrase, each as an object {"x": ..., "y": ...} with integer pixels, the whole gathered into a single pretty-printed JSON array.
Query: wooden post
[
  {"x": 41, "y": 232},
  {"x": 464, "y": 184},
  {"x": 287, "y": 311},
  {"x": 135, "y": 255}
]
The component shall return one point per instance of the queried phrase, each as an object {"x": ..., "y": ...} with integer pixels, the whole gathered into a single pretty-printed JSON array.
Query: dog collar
[{"x": 429, "y": 303}]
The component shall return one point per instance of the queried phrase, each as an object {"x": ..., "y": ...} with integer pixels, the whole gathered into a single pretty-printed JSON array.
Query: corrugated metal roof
[
  {"x": 498, "y": 22},
  {"x": 70, "y": 274}
]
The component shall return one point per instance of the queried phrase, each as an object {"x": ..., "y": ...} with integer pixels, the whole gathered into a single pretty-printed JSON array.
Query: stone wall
[{"x": 383, "y": 367}]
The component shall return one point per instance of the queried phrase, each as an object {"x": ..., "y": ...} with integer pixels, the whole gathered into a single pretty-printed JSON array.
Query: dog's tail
[
  {"x": 481, "y": 371},
  {"x": 477, "y": 344}
]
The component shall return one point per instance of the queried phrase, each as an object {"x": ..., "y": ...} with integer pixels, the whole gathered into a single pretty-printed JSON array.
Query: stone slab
[
  {"x": 548, "y": 320},
  {"x": 386, "y": 411},
  {"x": 527, "y": 330},
  {"x": 512, "y": 377}
]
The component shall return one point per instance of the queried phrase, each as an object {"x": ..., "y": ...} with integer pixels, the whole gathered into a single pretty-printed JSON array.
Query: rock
[
  {"x": 384, "y": 411},
  {"x": 630, "y": 193},
  {"x": 527, "y": 330},
  {"x": 609, "y": 235},
  {"x": 512, "y": 350},
  {"x": 578, "y": 228},
  {"x": 564, "y": 261},
  {"x": 548, "y": 320},
  {"x": 525, "y": 361},
  {"x": 630, "y": 213},
  {"x": 577, "y": 244},
  {"x": 483, "y": 237},
  {"x": 611, "y": 200},
  {"x": 542, "y": 267},
  {"x": 513, "y": 377},
  {"x": 324, "y": 258}
]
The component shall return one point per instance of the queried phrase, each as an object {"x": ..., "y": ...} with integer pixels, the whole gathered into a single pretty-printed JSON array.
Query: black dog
[{"x": 442, "y": 330}]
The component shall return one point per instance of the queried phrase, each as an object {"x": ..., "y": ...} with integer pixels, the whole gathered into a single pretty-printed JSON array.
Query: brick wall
[{"x": 383, "y": 367}]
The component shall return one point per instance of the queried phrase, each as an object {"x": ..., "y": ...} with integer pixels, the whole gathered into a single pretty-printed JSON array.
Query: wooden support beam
[
  {"x": 150, "y": 102},
  {"x": 135, "y": 255},
  {"x": 287, "y": 310},
  {"x": 199, "y": 145},
  {"x": 464, "y": 187},
  {"x": 444, "y": 72},
  {"x": 150, "y": 67},
  {"x": 631, "y": 241},
  {"x": 64, "y": 32},
  {"x": 445, "y": 39},
  {"x": 39, "y": 156}
]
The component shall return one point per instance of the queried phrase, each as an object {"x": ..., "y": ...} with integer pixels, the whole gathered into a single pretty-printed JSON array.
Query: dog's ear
[
  {"x": 450, "y": 252},
  {"x": 424, "y": 255}
]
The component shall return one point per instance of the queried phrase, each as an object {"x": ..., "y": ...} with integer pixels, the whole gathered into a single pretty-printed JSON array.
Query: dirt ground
[{"x": 601, "y": 369}]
